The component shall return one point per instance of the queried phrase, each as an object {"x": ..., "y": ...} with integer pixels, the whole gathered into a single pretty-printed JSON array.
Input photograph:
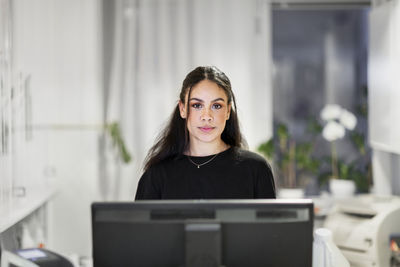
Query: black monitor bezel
[{"x": 202, "y": 212}]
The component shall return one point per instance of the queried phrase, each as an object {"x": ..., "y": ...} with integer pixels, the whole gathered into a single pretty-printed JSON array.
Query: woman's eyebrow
[
  {"x": 200, "y": 100},
  {"x": 196, "y": 99},
  {"x": 218, "y": 99}
]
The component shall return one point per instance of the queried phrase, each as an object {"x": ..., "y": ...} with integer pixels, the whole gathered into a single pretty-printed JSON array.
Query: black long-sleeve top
[{"x": 233, "y": 174}]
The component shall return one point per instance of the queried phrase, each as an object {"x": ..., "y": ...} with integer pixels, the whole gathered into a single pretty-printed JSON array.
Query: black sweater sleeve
[
  {"x": 265, "y": 184},
  {"x": 148, "y": 188}
]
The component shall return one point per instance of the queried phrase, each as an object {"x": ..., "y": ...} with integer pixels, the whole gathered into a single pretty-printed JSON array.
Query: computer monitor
[{"x": 203, "y": 233}]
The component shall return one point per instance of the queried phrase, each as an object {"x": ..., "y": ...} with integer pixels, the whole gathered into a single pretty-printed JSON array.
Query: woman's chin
[{"x": 204, "y": 138}]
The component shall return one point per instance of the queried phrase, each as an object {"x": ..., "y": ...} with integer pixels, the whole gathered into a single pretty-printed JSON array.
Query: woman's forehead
[{"x": 208, "y": 90}]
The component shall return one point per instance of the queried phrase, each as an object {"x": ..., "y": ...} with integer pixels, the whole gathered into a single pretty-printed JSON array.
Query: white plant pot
[
  {"x": 291, "y": 193},
  {"x": 342, "y": 188}
]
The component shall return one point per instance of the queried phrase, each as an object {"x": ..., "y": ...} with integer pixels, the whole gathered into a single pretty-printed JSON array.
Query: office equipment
[
  {"x": 362, "y": 227},
  {"x": 325, "y": 252},
  {"x": 35, "y": 257},
  {"x": 395, "y": 250},
  {"x": 203, "y": 233}
]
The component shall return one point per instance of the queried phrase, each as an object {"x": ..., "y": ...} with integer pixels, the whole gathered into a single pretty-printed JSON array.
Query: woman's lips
[{"x": 206, "y": 129}]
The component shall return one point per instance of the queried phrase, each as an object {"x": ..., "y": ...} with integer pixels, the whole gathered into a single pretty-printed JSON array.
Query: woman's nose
[{"x": 206, "y": 115}]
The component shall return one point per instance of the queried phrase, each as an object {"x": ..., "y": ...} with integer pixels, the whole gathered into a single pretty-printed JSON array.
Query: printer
[
  {"x": 33, "y": 257},
  {"x": 362, "y": 228}
]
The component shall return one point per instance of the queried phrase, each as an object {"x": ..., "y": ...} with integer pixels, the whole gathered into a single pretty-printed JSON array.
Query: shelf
[{"x": 18, "y": 208}]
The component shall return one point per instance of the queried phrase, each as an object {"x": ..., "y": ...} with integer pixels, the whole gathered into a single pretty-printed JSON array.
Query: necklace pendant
[{"x": 201, "y": 164}]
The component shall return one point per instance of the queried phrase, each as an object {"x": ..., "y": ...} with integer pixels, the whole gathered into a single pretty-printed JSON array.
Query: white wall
[
  {"x": 57, "y": 44},
  {"x": 384, "y": 65},
  {"x": 384, "y": 95}
]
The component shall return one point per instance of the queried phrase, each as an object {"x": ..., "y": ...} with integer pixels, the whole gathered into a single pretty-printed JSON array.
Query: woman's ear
[{"x": 182, "y": 110}]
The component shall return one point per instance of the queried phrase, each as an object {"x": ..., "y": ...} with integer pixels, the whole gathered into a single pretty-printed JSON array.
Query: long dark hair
[{"x": 174, "y": 139}]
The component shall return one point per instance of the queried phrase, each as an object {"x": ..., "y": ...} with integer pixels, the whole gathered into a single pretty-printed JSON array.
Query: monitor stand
[{"x": 202, "y": 244}]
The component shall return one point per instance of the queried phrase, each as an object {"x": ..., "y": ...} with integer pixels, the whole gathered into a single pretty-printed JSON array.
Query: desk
[{"x": 17, "y": 208}]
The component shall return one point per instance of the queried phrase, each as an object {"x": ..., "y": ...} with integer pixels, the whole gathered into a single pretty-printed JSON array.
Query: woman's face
[{"x": 209, "y": 111}]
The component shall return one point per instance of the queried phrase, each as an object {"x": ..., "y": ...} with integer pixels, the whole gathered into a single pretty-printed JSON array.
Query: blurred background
[{"x": 86, "y": 86}]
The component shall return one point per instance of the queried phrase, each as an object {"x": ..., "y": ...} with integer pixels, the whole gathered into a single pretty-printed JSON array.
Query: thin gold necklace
[{"x": 201, "y": 164}]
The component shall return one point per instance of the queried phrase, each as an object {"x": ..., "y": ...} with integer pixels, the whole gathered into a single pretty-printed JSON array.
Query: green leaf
[
  {"x": 282, "y": 131},
  {"x": 324, "y": 177},
  {"x": 116, "y": 136},
  {"x": 267, "y": 148},
  {"x": 359, "y": 141},
  {"x": 314, "y": 127},
  {"x": 303, "y": 149}
]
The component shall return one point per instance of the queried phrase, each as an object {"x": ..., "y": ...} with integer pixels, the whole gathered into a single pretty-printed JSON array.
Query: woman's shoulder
[
  {"x": 247, "y": 160},
  {"x": 247, "y": 155},
  {"x": 167, "y": 163},
  {"x": 156, "y": 172}
]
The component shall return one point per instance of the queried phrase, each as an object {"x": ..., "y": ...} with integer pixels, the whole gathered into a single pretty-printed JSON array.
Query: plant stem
[
  {"x": 292, "y": 162},
  {"x": 335, "y": 171}
]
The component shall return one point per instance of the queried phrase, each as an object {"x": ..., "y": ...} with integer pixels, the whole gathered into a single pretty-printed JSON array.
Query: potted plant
[
  {"x": 292, "y": 161},
  {"x": 295, "y": 163},
  {"x": 337, "y": 121}
]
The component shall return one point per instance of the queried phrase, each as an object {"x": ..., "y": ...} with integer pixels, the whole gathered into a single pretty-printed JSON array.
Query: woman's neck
[{"x": 206, "y": 149}]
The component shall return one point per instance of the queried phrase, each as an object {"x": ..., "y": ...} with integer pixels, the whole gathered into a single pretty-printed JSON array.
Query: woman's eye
[
  {"x": 217, "y": 106},
  {"x": 197, "y": 105}
]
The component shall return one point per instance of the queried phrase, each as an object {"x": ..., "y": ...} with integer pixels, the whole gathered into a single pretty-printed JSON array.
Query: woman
[{"x": 200, "y": 154}]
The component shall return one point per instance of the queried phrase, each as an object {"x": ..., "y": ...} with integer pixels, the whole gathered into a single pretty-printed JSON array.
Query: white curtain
[{"x": 156, "y": 43}]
